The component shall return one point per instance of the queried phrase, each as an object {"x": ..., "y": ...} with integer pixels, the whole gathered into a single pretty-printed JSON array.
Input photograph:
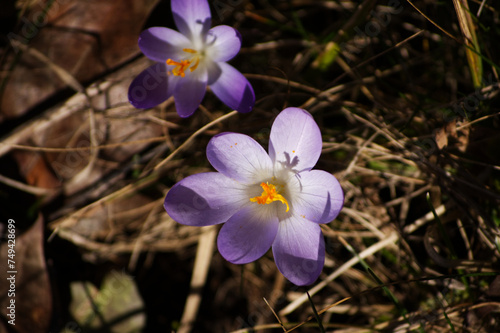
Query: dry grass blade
[
  {"x": 25, "y": 188},
  {"x": 410, "y": 228},
  {"x": 81, "y": 149},
  {"x": 434, "y": 23},
  {"x": 192, "y": 137},
  {"x": 198, "y": 280},
  {"x": 141, "y": 183},
  {"x": 471, "y": 42},
  {"x": 94, "y": 151},
  {"x": 339, "y": 271},
  {"x": 275, "y": 314},
  {"x": 73, "y": 105}
]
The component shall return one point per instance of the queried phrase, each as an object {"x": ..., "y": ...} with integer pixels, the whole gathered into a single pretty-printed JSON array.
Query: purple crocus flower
[
  {"x": 190, "y": 60},
  {"x": 265, "y": 201}
]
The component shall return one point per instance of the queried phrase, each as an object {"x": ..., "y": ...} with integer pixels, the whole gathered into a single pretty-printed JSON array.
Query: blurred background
[{"x": 405, "y": 94}]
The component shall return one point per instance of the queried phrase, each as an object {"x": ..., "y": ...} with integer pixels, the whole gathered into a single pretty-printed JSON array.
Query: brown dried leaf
[
  {"x": 35, "y": 170},
  {"x": 33, "y": 298},
  {"x": 80, "y": 37},
  {"x": 441, "y": 138},
  {"x": 449, "y": 131},
  {"x": 90, "y": 142}
]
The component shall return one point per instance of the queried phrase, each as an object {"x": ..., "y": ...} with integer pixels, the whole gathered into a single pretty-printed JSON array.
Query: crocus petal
[
  {"x": 223, "y": 43},
  {"x": 317, "y": 195},
  {"x": 299, "y": 250},
  {"x": 295, "y": 140},
  {"x": 231, "y": 87},
  {"x": 192, "y": 18},
  {"x": 204, "y": 199},
  {"x": 189, "y": 92},
  {"x": 151, "y": 87},
  {"x": 240, "y": 157},
  {"x": 160, "y": 44},
  {"x": 247, "y": 235}
]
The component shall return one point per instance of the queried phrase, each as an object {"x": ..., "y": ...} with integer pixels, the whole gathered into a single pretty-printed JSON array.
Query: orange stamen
[
  {"x": 270, "y": 195},
  {"x": 189, "y": 50},
  {"x": 196, "y": 63},
  {"x": 181, "y": 66}
]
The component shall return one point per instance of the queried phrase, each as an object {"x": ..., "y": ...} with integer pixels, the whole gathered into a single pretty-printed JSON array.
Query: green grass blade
[{"x": 320, "y": 324}]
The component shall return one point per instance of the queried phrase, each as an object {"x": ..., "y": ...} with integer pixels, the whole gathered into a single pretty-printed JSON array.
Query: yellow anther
[
  {"x": 270, "y": 195},
  {"x": 181, "y": 66},
  {"x": 196, "y": 63}
]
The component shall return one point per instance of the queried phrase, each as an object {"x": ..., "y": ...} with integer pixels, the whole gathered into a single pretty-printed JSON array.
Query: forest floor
[{"x": 405, "y": 94}]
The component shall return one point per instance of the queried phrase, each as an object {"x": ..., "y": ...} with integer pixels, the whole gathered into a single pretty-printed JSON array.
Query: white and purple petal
[
  {"x": 189, "y": 91},
  {"x": 240, "y": 157},
  {"x": 160, "y": 44},
  {"x": 151, "y": 87},
  {"x": 192, "y": 18},
  {"x": 223, "y": 43},
  {"x": 295, "y": 140},
  {"x": 231, "y": 87},
  {"x": 316, "y": 195},
  {"x": 299, "y": 250},
  {"x": 247, "y": 235},
  {"x": 204, "y": 199}
]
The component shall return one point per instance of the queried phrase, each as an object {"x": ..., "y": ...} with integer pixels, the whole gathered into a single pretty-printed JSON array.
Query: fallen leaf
[
  {"x": 82, "y": 38},
  {"x": 31, "y": 291}
]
